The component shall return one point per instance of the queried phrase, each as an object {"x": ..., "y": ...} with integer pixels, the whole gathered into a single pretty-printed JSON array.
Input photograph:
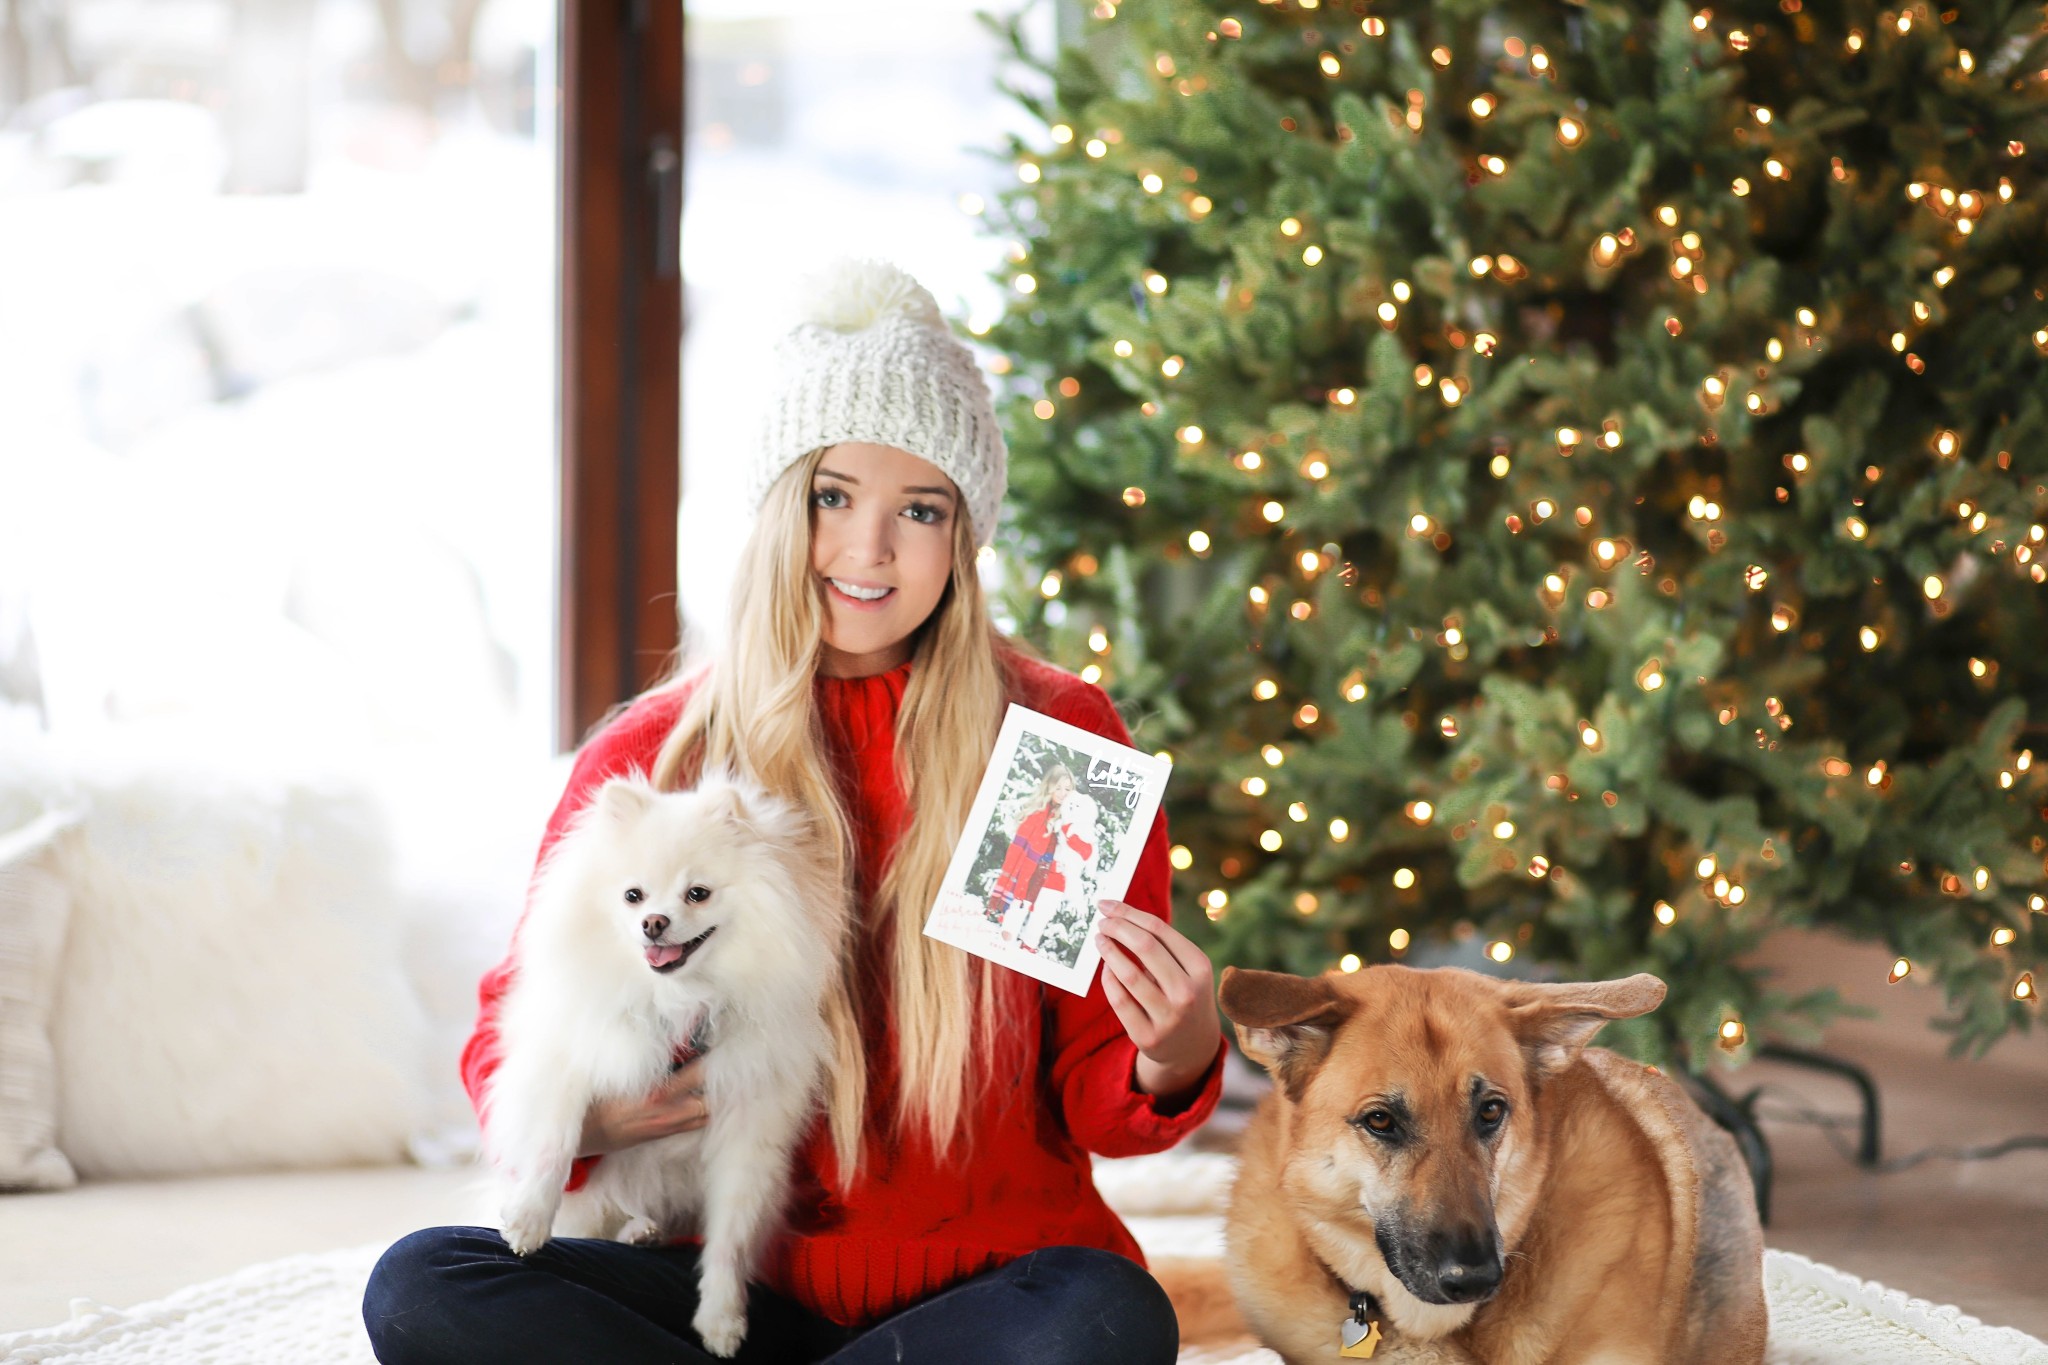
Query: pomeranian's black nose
[{"x": 654, "y": 926}]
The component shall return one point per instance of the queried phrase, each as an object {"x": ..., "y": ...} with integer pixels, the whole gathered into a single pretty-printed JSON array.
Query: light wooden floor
[
  {"x": 125, "y": 1242},
  {"x": 1970, "y": 1233}
]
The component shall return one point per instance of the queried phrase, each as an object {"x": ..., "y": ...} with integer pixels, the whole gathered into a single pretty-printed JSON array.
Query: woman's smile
[{"x": 859, "y": 595}]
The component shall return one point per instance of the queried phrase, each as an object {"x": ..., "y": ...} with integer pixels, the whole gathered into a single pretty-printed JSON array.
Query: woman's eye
[
  {"x": 634, "y": 895},
  {"x": 829, "y": 497},
  {"x": 697, "y": 895},
  {"x": 924, "y": 512}
]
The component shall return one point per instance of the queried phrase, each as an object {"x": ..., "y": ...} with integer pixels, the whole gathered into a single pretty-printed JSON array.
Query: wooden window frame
[{"x": 620, "y": 309}]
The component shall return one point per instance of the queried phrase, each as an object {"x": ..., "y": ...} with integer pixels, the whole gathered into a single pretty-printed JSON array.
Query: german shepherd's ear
[
  {"x": 1284, "y": 1023},
  {"x": 1554, "y": 1021}
]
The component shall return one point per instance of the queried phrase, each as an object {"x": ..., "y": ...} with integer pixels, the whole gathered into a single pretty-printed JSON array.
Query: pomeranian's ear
[
  {"x": 1554, "y": 1021},
  {"x": 1284, "y": 1023},
  {"x": 750, "y": 811},
  {"x": 625, "y": 798},
  {"x": 723, "y": 800}
]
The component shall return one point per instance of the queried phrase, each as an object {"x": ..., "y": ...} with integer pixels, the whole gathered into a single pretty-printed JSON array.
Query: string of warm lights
[{"x": 1435, "y": 320}]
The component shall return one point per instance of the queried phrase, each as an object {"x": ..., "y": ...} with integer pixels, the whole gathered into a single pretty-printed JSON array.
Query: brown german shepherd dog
[{"x": 1445, "y": 1172}]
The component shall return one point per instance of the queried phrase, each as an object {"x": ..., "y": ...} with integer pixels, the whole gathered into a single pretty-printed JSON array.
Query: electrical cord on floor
[{"x": 1832, "y": 1124}]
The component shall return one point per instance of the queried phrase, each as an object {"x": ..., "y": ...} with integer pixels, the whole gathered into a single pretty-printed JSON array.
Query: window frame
[{"x": 619, "y": 369}]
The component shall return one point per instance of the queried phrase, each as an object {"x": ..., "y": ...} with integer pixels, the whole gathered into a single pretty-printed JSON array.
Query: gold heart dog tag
[{"x": 1361, "y": 1339}]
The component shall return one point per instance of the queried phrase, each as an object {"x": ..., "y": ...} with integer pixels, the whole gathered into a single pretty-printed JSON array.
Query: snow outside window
[{"x": 277, "y": 421}]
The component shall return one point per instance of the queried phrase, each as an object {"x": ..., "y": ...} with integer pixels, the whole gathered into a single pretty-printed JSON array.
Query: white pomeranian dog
[{"x": 664, "y": 920}]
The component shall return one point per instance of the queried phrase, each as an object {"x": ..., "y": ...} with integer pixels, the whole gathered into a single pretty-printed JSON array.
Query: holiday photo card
[{"x": 1057, "y": 827}]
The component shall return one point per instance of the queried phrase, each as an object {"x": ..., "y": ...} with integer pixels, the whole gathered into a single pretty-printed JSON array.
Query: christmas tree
[{"x": 1562, "y": 477}]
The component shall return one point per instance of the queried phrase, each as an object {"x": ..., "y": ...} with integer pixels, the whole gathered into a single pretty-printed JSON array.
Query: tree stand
[{"x": 1738, "y": 1116}]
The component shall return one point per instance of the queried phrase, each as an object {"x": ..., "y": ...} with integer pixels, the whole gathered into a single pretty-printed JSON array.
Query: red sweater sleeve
[
  {"x": 1093, "y": 1060},
  {"x": 630, "y": 741}
]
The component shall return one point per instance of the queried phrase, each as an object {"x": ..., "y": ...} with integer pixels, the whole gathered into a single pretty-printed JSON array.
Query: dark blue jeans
[{"x": 458, "y": 1296}]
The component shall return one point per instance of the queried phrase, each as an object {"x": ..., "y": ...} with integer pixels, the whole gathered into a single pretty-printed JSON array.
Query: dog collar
[
  {"x": 1359, "y": 1335},
  {"x": 1364, "y": 1327},
  {"x": 1362, "y": 1331}
]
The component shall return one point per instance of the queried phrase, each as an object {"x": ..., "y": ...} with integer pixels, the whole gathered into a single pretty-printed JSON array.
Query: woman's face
[
  {"x": 1062, "y": 788},
  {"x": 882, "y": 548}
]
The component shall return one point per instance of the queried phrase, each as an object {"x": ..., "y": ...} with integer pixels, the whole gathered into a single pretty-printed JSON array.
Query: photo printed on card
[{"x": 1057, "y": 827}]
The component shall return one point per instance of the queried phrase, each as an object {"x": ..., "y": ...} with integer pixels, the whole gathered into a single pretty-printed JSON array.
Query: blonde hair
[
  {"x": 1047, "y": 780},
  {"x": 755, "y": 711}
]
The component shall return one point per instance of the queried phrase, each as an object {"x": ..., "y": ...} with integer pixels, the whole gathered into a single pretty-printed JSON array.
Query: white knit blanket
[{"x": 304, "y": 1310}]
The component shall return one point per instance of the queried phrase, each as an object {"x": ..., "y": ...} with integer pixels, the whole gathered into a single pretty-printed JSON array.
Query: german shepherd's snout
[
  {"x": 1443, "y": 1153},
  {"x": 1443, "y": 1244},
  {"x": 1457, "y": 1264}
]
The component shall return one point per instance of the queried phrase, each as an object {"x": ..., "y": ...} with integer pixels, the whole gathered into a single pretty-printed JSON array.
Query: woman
[
  {"x": 1028, "y": 864},
  {"x": 1073, "y": 855},
  {"x": 944, "y": 1207}
]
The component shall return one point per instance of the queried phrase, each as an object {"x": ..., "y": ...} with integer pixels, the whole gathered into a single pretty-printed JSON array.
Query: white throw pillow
[
  {"x": 33, "y": 909},
  {"x": 231, "y": 993}
]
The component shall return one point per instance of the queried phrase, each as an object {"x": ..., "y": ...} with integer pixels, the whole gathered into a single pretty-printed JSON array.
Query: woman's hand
[
  {"x": 676, "y": 1106},
  {"x": 1163, "y": 990}
]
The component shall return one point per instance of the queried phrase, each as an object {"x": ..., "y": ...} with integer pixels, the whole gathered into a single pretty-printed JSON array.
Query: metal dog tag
[{"x": 1361, "y": 1339}]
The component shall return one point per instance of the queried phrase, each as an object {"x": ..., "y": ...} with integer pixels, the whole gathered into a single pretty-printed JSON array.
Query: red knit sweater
[{"x": 912, "y": 1224}]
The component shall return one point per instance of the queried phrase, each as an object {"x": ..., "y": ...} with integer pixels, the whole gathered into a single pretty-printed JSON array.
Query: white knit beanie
[{"x": 872, "y": 360}]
